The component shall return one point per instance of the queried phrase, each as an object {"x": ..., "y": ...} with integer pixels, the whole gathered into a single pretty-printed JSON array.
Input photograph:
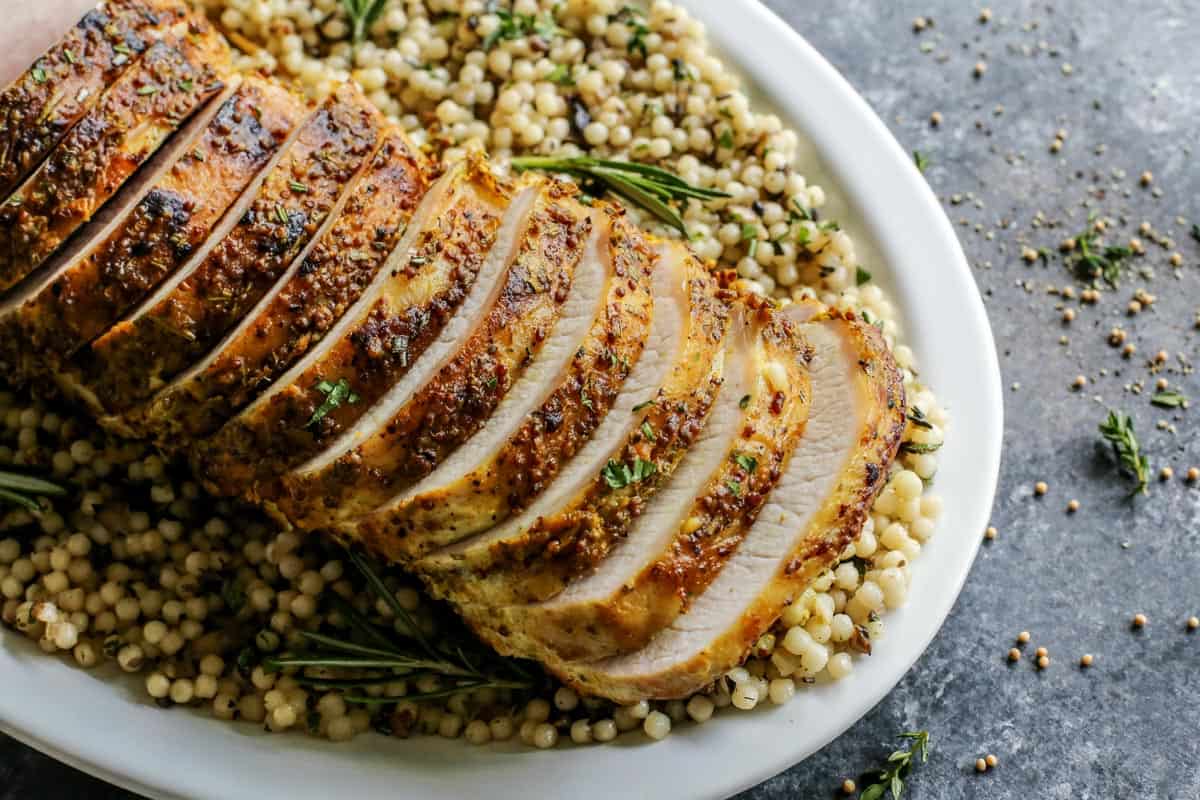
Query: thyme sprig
[
  {"x": 24, "y": 490},
  {"x": 899, "y": 764},
  {"x": 1117, "y": 430},
  {"x": 650, "y": 187},
  {"x": 402, "y": 652},
  {"x": 362, "y": 14}
]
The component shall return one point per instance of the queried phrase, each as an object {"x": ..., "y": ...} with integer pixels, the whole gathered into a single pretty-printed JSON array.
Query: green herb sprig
[
  {"x": 1092, "y": 260},
  {"x": 649, "y": 187},
  {"x": 335, "y": 395},
  {"x": 516, "y": 26},
  {"x": 1169, "y": 399},
  {"x": 1117, "y": 430},
  {"x": 362, "y": 14},
  {"x": 23, "y": 490},
  {"x": 618, "y": 474},
  {"x": 464, "y": 664},
  {"x": 899, "y": 764}
]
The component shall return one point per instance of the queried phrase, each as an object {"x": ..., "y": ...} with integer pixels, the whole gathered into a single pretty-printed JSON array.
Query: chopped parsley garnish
[
  {"x": 648, "y": 432},
  {"x": 516, "y": 26},
  {"x": 618, "y": 474},
  {"x": 187, "y": 84},
  {"x": 561, "y": 75},
  {"x": 298, "y": 187},
  {"x": 69, "y": 56},
  {"x": 1117, "y": 430},
  {"x": 748, "y": 463},
  {"x": 335, "y": 395},
  {"x": 490, "y": 383},
  {"x": 725, "y": 140},
  {"x": 39, "y": 74},
  {"x": 1169, "y": 399},
  {"x": 861, "y": 276},
  {"x": 735, "y": 487},
  {"x": 145, "y": 91},
  {"x": 744, "y": 402},
  {"x": 281, "y": 215},
  {"x": 643, "y": 405},
  {"x": 750, "y": 234}
]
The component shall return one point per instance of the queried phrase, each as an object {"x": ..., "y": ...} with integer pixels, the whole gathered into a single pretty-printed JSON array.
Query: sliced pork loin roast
[
  {"x": 187, "y": 315},
  {"x": 855, "y": 423},
  {"x": 38, "y": 108},
  {"x": 465, "y": 215},
  {"x": 658, "y": 414},
  {"x": 694, "y": 523},
  {"x": 146, "y": 104},
  {"x": 510, "y": 316},
  {"x": 310, "y": 298},
  {"x": 148, "y": 231},
  {"x": 549, "y": 413}
]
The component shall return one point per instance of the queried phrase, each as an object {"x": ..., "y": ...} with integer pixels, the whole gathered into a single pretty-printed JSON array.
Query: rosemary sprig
[
  {"x": 644, "y": 185},
  {"x": 899, "y": 764},
  {"x": 23, "y": 490},
  {"x": 378, "y": 652},
  {"x": 1117, "y": 430},
  {"x": 362, "y": 14}
]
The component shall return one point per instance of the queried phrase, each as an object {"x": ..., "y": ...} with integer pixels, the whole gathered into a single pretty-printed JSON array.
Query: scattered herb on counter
[
  {"x": 1091, "y": 260},
  {"x": 899, "y": 765},
  {"x": 1196, "y": 232},
  {"x": 921, "y": 160},
  {"x": 644, "y": 185},
  {"x": 23, "y": 490},
  {"x": 1169, "y": 399},
  {"x": 362, "y": 14},
  {"x": 335, "y": 395},
  {"x": 1117, "y": 430}
]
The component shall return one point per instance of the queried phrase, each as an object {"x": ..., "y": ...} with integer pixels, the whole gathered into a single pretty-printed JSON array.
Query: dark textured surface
[{"x": 1127, "y": 727}]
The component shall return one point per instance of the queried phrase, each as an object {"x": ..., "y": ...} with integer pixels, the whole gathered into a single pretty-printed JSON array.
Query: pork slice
[
  {"x": 691, "y": 527},
  {"x": 319, "y": 286},
  {"x": 172, "y": 79},
  {"x": 856, "y": 419},
  {"x": 182, "y": 321},
  {"x": 377, "y": 340},
  {"x": 149, "y": 230},
  {"x": 547, "y": 415},
  {"x": 40, "y": 106},
  {"x": 572, "y": 525},
  {"x": 501, "y": 329}
]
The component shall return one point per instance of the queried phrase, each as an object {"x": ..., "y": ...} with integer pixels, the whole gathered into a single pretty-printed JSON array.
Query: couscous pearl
[{"x": 545, "y": 736}]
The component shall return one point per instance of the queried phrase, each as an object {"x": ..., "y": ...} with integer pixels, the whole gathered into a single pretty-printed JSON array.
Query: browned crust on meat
[
  {"x": 136, "y": 357},
  {"x": 555, "y": 549},
  {"x": 172, "y": 219},
  {"x": 458, "y": 400},
  {"x": 425, "y": 287},
  {"x": 172, "y": 79},
  {"x": 40, "y": 107},
  {"x": 333, "y": 275},
  {"x": 835, "y": 525},
  {"x": 720, "y": 516},
  {"x": 526, "y": 464}
]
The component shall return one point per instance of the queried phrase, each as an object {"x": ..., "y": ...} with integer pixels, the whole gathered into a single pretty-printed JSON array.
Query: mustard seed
[
  {"x": 1161, "y": 384},
  {"x": 849, "y": 787},
  {"x": 935, "y": 119},
  {"x": 1023, "y": 637},
  {"x": 1069, "y": 315},
  {"x": 1014, "y": 655},
  {"x": 1040, "y": 488},
  {"x": 980, "y": 765},
  {"x": 980, "y": 69},
  {"x": 1147, "y": 178},
  {"x": 1139, "y": 620},
  {"x": 1193, "y": 623},
  {"x": 985, "y": 15},
  {"x": 1079, "y": 382},
  {"x": 1134, "y": 307},
  {"x": 1073, "y": 506},
  {"x": 1160, "y": 357},
  {"x": 991, "y": 760},
  {"x": 1166, "y": 474},
  {"x": 1128, "y": 350},
  {"x": 1086, "y": 661},
  {"x": 1041, "y": 652},
  {"x": 1193, "y": 475},
  {"x": 990, "y": 533},
  {"x": 1176, "y": 259},
  {"x": 1043, "y": 662}
]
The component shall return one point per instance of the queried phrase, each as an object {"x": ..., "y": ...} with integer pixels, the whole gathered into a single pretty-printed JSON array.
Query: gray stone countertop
[{"x": 1120, "y": 79}]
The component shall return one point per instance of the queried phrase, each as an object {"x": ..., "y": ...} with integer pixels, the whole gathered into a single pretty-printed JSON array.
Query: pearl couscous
[{"x": 137, "y": 566}]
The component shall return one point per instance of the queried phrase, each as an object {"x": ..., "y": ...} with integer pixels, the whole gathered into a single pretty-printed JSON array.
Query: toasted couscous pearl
[
  {"x": 700, "y": 708},
  {"x": 1193, "y": 623},
  {"x": 581, "y": 731},
  {"x": 657, "y": 725},
  {"x": 849, "y": 786},
  {"x": 1014, "y": 654},
  {"x": 605, "y": 730},
  {"x": 545, "y": 736},
  {"x": 158, "y": 685},
  {"x": 501, "y": 728},
  {"x": 745, "y": 696}
]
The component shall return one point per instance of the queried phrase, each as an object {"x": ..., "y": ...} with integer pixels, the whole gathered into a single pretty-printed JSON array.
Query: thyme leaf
[
  {"x": 1117, "y": 430},
  {"x": 335, "y": 395},
  {"x": 24, "y": 490},
  {"x": 921, "y": 160},
  {"x": 1169, "y": 399},
  {"x": 618, "y": 474}
]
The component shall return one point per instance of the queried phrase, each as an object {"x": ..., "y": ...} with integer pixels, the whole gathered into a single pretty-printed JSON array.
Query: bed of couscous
[{"x": 135, "y": 565}]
